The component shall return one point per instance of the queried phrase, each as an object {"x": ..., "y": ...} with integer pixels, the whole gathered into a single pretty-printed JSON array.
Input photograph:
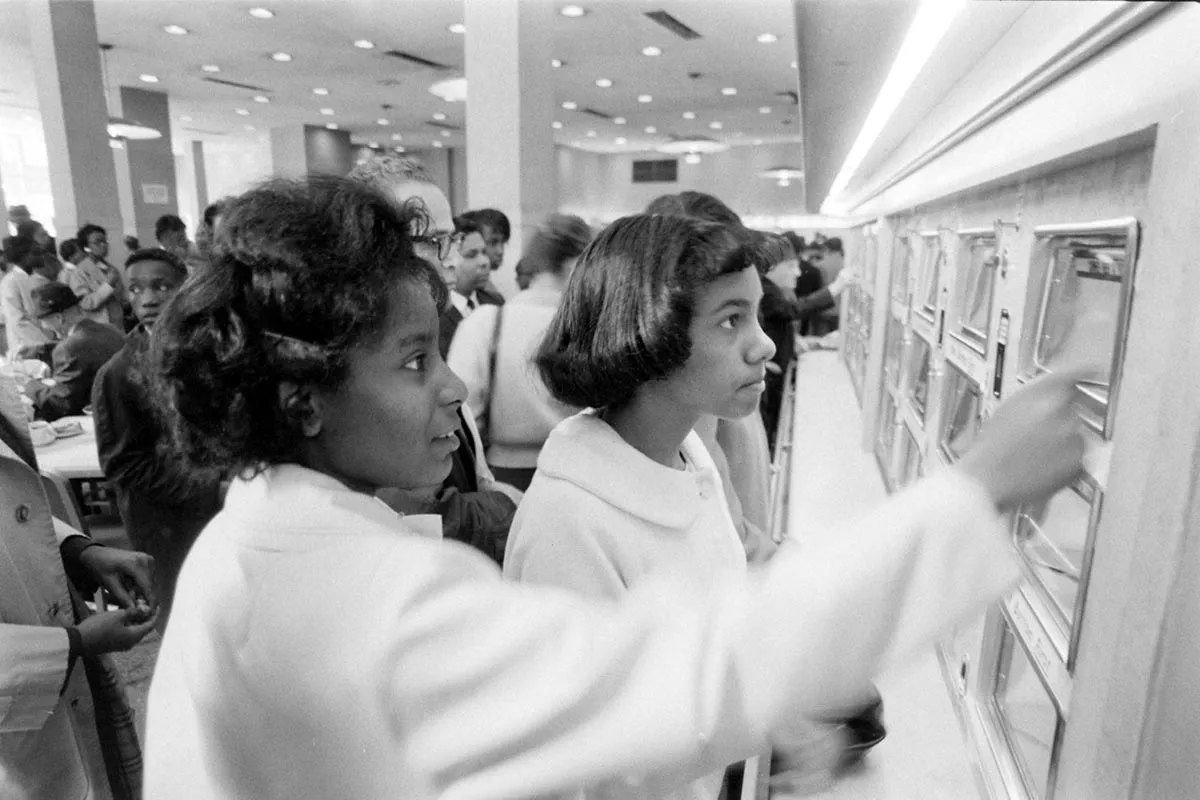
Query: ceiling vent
[
  {"x": 248, "y": 87},
  {"x": 594, "y": 113},
  {"x": 417, "y": 60},
  {"x": 673, "y": 25}
]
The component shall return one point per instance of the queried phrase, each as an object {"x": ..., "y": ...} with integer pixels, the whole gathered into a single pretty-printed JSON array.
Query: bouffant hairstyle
[
  {"x": 158, "y": 254},
  {"x": 302, "y": 273},
  {"x": 559, "y": 239},
  {"x": 697, "y": 205},
  {"x": 774, "y": 249},
  {"x": 626, "y": 311}
]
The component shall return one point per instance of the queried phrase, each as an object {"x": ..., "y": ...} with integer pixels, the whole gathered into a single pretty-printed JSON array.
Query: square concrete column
[
  {"x": 66, "y": 58},
  {"x": 151, "y": 162},
  {"x": 510, "y": 105}
]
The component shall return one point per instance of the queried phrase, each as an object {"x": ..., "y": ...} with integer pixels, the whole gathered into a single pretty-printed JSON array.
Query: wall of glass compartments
[{"x": 957, "y": 305}]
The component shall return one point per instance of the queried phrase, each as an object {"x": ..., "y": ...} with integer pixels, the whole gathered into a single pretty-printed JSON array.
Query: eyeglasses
[{"x": 442, "y": 241}]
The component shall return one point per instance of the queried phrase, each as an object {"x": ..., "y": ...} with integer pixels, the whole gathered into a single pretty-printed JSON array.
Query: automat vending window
[
  {"x": 1027, "y": 715},
  {"x": 978, "y": 263},
  {"x": 912, "y": 463},
  {"x": 961, "y": 420},
  {"x": 901, "y": 256},
  {"x": 918, "y": 375},
  {"x": 1086, "y": 277},
  {"x": 930, "y": 275},
  {"x": 1055, "y": 542},
  {"x": 871, "y": 250},
  {"x": 885, "y": 434},
  {"x": 893, "y": 344}
]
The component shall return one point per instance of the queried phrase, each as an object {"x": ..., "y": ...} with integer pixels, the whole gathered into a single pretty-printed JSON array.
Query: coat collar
[{"x": 585, "y": 450}]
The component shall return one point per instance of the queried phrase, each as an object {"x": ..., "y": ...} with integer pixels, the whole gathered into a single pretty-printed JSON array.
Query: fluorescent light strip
[{"x": 932, "y": 21}]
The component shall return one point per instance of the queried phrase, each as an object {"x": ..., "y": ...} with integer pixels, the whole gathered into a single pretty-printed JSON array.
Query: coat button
[{"x": 23, "y": 513}]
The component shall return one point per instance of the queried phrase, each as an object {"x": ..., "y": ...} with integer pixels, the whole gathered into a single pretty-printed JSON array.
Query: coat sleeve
[
  {"x": 89, "y": 300},
  {"x": 33, "y": 669},
  {"x": 677, "y": 679}
]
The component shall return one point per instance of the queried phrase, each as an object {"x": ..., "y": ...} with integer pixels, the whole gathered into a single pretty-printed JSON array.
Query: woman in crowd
[
  {"x": 323, "y": 646},
  {"x": 493, "y": 353}
]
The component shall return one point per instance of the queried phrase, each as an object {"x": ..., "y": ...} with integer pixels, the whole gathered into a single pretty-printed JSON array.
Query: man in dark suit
[
  {"x": 84, "y": 347},
  {"x": 466, "y": 269}
]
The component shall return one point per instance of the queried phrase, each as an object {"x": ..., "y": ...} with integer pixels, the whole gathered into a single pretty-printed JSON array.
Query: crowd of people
[{"x": 406, "y": 537}]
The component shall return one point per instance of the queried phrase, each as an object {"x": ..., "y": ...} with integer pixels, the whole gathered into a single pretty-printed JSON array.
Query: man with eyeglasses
[{"x": 475, "y": 508}]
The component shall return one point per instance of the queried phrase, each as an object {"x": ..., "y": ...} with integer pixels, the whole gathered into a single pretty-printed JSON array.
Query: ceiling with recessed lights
[{"x": 634, "y": 74}]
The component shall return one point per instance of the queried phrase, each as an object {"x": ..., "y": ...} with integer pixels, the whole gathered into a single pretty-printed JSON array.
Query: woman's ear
[{"x": 300, "y": 406}]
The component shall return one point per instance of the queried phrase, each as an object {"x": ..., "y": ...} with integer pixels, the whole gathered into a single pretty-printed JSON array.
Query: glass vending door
[
  {"x": 892, "y": 347},
  {"x": 961, "y": 418},
  {"x": 1087, "y": 291},
  {"x": 918, "y": 376},
  {"x": 901, "y": 256},
  {"x": 978, "y": 264},
  {"x": 931, "y": 268}
]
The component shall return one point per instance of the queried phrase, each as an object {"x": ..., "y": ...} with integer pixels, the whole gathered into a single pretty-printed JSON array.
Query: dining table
[{"x": 73, "y": 457}]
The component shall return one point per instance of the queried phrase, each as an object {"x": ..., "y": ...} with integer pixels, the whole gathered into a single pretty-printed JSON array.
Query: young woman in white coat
[{"x": 323, "y": 646}]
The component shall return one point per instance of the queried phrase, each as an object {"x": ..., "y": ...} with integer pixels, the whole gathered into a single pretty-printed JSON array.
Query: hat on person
[{"x": 51, "y": 298}]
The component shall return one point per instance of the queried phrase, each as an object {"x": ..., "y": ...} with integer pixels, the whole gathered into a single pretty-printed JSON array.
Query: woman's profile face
[{"x": 393, "y": 420}]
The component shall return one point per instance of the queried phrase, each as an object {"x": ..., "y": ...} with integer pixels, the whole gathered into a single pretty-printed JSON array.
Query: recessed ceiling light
[
  {"x": 373, "y": 145},
  {"x": 767, "y": 38},
  {"x": 651, "y": 129},
  {"x": 261, "y": 13},
  {"x": 569, "y": 105},
  {"x": 716, "y": 126},
  {"x": 620, "y": 140},
  {"x": 242, "y": 112},
  {"x": 396, "y": 137},
  {"x": 176, "y": 30},
  {"x": 758, "y": 141},
  {"x": 259, "y": 98},
  {"x": 439, "y": 116},
  {"x": 764, "y": 110},
  {"x": 445, "y": 134},
  {"x": 556, "y": 125},
  {"x": 457, "y": 27},
  {"x": 556, "y": 62},
  {"x": 729, "y": 91},
  {"x": 795, "y": 65},
  {"x": 281, "y": 57},
  {"x": 248, "y": 127},
  {"x": 331, "y": 125},
  {"x": 618, "y": 120},
  {"x": 210, "y": 68},
  {"x": 591, "y": 134},
  {"x": 572, "y": 11},
  {"x": 604, "y": 83},
  {"x": 364, "y": 44},
  {"x": 382, "y": 121},
  {"x": 437, "y": 143},
  {"x": 185, "y": 118},
  {"x": 400, "y": 149},
  {"x": 149, "y": 78},
  {"x": 689, "y": 115},
  {"x": 644, "y": 98},
  {"x": 327, "y": 112},
  {"x": 319, "y": 91},
  {"x": 651, "y": 51},
  {"x": 692, "y": 158}
]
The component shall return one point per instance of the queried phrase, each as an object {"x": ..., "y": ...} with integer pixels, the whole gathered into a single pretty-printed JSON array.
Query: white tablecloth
[{"x": 74, "y": 457}]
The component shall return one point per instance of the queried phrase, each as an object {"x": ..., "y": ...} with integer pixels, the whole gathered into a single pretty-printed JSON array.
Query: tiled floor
[{"x": 832, "y": 479}]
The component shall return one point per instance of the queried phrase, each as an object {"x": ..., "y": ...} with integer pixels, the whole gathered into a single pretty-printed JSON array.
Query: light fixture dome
[
  {"x": 784, "y": 175},
  {"x": 121, "y": 128},
  {"x": 453, "y": 90},
  {"x": 692, "y": 144}
]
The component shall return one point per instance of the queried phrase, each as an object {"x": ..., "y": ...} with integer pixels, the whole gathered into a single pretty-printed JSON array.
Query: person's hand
[
  {"x": 111, "y": 631},
  {"x": 1033, "y": 445},
  {"x": 127, "y": 575}
]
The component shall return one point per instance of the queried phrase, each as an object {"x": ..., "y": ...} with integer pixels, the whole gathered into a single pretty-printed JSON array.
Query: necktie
[{"x": 471, "y": 303}]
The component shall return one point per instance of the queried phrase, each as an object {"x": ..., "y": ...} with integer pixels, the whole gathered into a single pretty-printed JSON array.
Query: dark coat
[{"x": 75, "y": 362}]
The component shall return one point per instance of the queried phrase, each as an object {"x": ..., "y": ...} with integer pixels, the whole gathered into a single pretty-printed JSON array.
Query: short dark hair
[
  {"x": 28, "y": 228},
  {"x": 213, "y": 210},
  {"x": 302, "y": 273},
  {"x": 697, "y": 205},
  {"x": 833, "y": 245},
  {"x": 157, "y": 254},
  {"x": 797, "y": 241},
  {"x": 624, "y": 317},
  {"x": 68, "y": 249},
  {"x": 774, "y": 249},
  {"x": 52, "y": 298},
  {"x": 168, "y": 223},
  {"x": 87, "y": 230},
  {"x": 560, "y": 238},
  {"x": 493, "y": 218},
  {"x": 24, "y": 252},
  {"x": 465, "y": 226}
]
